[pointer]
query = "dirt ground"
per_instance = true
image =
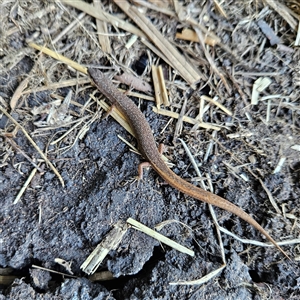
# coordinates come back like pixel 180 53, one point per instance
pixel 237 112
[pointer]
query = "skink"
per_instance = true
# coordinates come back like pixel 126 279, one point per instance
pixel 149 150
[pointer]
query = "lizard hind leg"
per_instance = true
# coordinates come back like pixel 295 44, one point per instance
pixel 109 111
pixel 141 167
pixel 147 164
pixel 161 149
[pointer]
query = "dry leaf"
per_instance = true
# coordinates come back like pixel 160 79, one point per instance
pixel 134 82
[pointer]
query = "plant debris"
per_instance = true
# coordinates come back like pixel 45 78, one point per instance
pixel 225 79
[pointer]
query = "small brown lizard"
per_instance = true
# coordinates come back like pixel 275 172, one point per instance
pixel 149 150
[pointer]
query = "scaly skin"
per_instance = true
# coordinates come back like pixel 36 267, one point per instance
pixel 149 150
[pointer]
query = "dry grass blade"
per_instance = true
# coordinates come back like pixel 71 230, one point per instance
pixel 156 51
pixel 132 148
pixel 55 272
pixel 208 33
pixel 162 86
pixel 221 106
pixel 202 280
pixel 257 243
pixel 271 198
pixel 116 114
pixel 57 85
pixel 193 121
pixel 72 25
pixel 138 226
pixel 283 11
pixel 155 80
pixel 137 95
pixel 259 85
pixel 19 150
pixel 155 6
pixel 211 209
pixel 279 165
pixel 102 31
pixel 103 16
pixel 21 192
pixel 220 9
pixel 34 145
pixel 210 59
pixel 82 69
pixel 78 123
pixel 297 41
pixel 18 93
pixel 190 35
pixel 178 62
pixel 59 57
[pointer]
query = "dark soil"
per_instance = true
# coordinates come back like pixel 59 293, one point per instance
pixel 51 221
